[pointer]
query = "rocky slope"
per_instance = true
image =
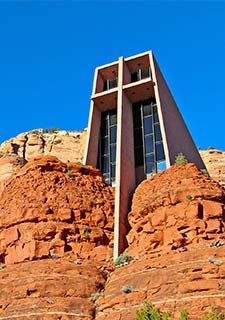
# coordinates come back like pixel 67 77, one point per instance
pixel 56 240
pixel 65 145
pixel 49 289
pixel 215 163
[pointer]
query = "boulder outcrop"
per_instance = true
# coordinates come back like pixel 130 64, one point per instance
pixel 177 207
pixel 49 208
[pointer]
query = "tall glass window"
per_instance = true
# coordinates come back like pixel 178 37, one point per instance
pixel 149 151
pixel 107 146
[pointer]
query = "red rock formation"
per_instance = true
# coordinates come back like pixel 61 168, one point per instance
pixel 49 289
pixel 215 163
pixel 53 208
pixel 8 164
pixel 60 215
pixel 192 280
pixel 176 241
pixel 176 208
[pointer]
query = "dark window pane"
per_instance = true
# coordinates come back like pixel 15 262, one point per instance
pixel 137 116
pixel 105 86
pixel 150 157
pixel 145 73
pixel 113 119
pixel 150 167
pixel 138 141
pixel 146 102
pixel 112 83
pixel 113 170
pixel 160 152
pixel 148 125
pixel 158 136
pixel 104 146
pixel 134 77
pixel 113 153
pixel 105 164
pixel 149 144
pixel 147 110
pixel 155 114
pixel 152 100
pixel 139 160
pixel 113 134
pixel 104 128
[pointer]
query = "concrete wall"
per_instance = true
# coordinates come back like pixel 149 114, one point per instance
pixel 176 137
pixel 94 122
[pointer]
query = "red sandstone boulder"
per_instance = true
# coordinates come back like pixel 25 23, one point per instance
pixel 175 208
pixel 50 208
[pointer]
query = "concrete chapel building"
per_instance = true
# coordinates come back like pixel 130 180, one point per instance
pixel 135 130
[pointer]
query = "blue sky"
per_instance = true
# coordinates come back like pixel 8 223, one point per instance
pixel 49 50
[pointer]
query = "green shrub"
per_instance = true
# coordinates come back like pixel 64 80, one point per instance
pixel 213 315
pixel 87 231
pixel 180 159
pixel 189 197
pixel 94 296
pixel 184 315
pixel 151 313
pixel 122 260
pixel 70 173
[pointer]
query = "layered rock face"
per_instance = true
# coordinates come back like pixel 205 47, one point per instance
pixel 8 164
pixel 177 244
pixel 50 208
pixel 215 163
pixel 50 289
pixel 65 145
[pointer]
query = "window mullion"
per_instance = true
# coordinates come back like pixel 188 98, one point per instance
pixel 143 137
pixel 154 140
